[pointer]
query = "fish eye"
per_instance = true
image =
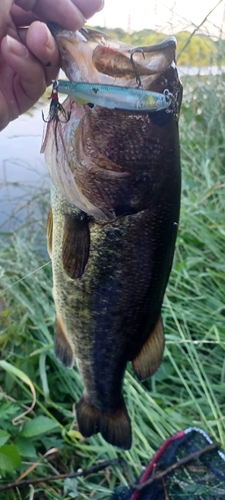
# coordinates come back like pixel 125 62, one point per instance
pixel 90 104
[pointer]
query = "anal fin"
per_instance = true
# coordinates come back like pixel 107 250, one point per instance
pixel 63 349
pixel 76 244
pixel 149 358
pixel 115 427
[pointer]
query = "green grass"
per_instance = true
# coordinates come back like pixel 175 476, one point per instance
pixel 189 387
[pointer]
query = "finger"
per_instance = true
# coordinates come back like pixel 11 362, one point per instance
pixel 70 14
pixel 42 44
pixel 49 9
pixel 63 12
pixel 5 10
pixel 20 17
pixel 29 83
pixel 5 21
pixel 90 7
pixel 26 4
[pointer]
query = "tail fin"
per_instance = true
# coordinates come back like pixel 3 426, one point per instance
pixel 88 418
pixel 115 427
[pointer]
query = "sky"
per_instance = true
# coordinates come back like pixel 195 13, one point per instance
pixel 168 16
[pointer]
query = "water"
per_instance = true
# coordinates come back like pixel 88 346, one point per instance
pixel 24 180
pixel 201 71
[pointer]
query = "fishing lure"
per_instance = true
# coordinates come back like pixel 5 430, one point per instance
pixel 56 107
pixel 115 97
pixel 56 110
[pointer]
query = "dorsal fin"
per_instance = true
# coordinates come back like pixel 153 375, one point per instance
pixel 76 244
pixel 150 356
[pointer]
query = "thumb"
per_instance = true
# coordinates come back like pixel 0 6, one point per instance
pixel 29 83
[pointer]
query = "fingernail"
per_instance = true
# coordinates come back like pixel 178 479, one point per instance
pixel 80 18
pixel 50 43
pixel 15 47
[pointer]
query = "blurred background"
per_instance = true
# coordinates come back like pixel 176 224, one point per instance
pixel 189 387
pixel 164 16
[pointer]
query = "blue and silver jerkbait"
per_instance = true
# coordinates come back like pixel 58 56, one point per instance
pixel 116 97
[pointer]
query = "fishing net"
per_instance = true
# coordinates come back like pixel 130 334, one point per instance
pixel 187 466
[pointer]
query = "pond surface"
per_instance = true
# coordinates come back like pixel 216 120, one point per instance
pixel 23 175
pixel 201 71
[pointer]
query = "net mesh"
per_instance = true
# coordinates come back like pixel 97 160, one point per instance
pixel 187 466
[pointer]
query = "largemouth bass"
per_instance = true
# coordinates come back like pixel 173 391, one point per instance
pixel 113 223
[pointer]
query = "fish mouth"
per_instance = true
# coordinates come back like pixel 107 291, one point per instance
pixel 91 56
pixel 102 159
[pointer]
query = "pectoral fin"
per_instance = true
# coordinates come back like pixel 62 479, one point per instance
pixel 150 356
pixel 76 244
pixel 49 232
pixel 63 349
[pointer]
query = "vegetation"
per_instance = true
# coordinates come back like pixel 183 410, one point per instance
pixel 38 430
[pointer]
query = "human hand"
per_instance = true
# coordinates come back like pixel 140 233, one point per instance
pixel 29 57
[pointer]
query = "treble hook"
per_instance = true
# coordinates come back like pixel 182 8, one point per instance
pixel 56 107
pixel 138 78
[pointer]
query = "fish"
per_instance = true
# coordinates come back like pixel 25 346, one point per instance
pixel 113 222
pixel 115 97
